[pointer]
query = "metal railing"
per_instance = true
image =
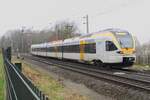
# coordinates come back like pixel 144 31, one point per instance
pixel 143 59
pixel 18 86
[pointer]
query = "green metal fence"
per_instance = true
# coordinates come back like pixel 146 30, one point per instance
pixel 18 86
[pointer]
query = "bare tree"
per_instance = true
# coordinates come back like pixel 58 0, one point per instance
pixel 64 30
pixel 21 39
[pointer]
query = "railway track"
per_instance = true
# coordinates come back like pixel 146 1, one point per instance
pixel 135 73
pixel 136 81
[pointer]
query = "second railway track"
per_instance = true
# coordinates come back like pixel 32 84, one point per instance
pixel 142 83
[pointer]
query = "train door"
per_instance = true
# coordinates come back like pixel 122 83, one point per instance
pixel 46 50
pixel 56 51
pixel 82 46
pixel 110 49
pixel 100 50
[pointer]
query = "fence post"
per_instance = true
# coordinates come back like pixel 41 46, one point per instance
pixel 148 59
pixel 43 97
pixel 8 53
pixel 40 94
pixel 19 66
pixel 46 98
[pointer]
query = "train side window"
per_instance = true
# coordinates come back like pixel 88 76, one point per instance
pixel 110 46
pixel 71 49
pixel 50 49
pixel 59 48
pixel 90 48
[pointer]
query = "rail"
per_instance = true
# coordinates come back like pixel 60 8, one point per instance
pixel 135 83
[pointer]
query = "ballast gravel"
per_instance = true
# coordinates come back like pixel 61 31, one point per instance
pixel 115 91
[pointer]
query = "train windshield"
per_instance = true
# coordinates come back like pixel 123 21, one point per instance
pixel 125 40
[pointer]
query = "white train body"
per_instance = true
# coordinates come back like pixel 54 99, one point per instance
pixel 111 46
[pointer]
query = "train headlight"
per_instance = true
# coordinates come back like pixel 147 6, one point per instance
pixel 120 52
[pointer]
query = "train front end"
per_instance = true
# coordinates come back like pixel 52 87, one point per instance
pixel 126 50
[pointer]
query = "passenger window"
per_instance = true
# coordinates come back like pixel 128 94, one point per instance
pixel 110 46
pixel 90 48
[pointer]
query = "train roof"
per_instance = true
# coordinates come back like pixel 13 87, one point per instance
pixel 49 44
pixel 111 30
pixel 114 30
pixel 71 39
pixel 75 40
pixel 38 45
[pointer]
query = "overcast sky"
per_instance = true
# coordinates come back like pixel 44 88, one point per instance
pixel 131 15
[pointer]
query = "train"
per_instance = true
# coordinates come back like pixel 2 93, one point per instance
pixel 109 47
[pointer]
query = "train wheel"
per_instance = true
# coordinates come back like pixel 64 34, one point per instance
pixel 108 67
pixel 98 63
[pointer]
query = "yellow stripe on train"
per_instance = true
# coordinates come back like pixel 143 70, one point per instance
pixel 128 50
pixel 82 44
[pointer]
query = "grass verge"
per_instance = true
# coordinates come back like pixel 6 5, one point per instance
pixel 2 79
pixel 141 67
pixel 53 88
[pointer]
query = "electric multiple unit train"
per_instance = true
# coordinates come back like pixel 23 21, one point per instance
pixel 107 47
